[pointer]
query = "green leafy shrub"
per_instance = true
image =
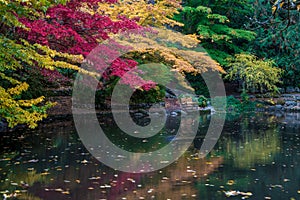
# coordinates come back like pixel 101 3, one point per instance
pixel 202 101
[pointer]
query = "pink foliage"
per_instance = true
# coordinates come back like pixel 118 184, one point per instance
pixel 69 30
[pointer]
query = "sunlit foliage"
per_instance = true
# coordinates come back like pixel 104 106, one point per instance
pixel 255 74
pixel 155 13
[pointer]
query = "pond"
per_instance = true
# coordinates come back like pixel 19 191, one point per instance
pixel 256 157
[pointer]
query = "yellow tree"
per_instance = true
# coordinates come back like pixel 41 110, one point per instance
pixel 180 52
pixel 156 13
pixel 173 50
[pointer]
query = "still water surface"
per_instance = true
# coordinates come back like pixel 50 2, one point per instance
pixel 257 157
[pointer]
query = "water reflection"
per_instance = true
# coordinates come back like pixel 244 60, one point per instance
pixel 176 181
pixel 258 152
pixel 257 142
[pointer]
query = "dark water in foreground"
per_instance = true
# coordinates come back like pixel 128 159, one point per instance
pixel 257 157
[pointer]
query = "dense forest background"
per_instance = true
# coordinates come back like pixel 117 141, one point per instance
pixel 254 44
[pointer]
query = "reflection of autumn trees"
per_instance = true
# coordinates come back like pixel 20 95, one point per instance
pixel 258 143
pixel 17 184
pixel 176 180
pixel 64 170
pixel 256 149
pixel 92 181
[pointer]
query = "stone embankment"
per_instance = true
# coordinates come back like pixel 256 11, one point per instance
pixel 285 103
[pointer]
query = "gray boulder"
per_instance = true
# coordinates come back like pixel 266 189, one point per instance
pixel 290 89
pixel 290 103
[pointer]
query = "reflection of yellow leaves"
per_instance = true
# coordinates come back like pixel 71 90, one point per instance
pixel 27 196
pixel 32 177
pixel 259 149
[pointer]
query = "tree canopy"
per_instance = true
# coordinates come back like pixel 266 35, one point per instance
pixel 55 35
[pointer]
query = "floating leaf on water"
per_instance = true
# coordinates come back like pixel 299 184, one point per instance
pixel 33 161
pixel 190 171
pixel 276 186
pixel 230 182
pixel 246 193
pixel 131 180
pixel 84 162
pixel 164 161
pixel 5 159
pixel 8 196
pixel 65 192
pixel 150 190
pixel 95 178
pixel 235 193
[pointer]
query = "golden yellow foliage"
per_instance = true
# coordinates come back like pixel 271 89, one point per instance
pixel 181 52
pixel 21 111
pixel 158 14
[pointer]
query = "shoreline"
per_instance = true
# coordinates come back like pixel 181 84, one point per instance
pixel 286 103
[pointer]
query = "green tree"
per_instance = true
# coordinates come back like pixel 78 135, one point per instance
pixel 278 38
pixel 219 25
